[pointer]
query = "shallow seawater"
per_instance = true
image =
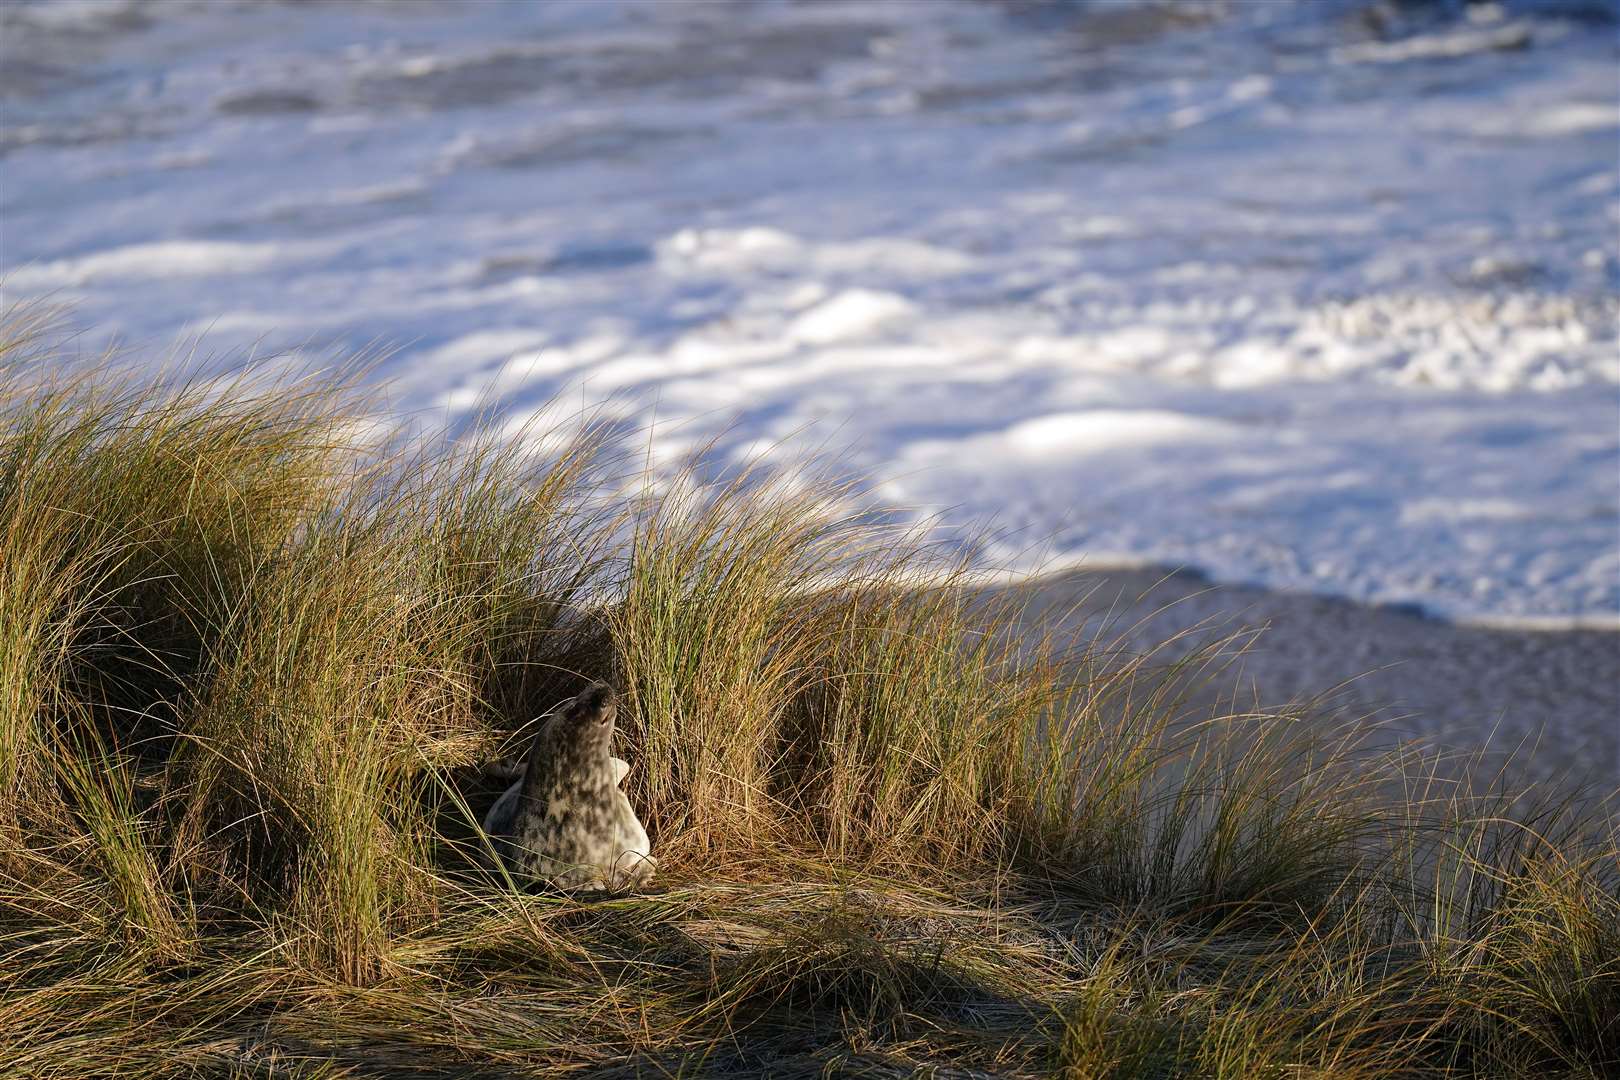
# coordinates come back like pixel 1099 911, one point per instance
pixel 1319 296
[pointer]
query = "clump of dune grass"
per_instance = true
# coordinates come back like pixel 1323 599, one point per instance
pixel 253 655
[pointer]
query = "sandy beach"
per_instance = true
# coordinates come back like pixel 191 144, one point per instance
pixel 1551 696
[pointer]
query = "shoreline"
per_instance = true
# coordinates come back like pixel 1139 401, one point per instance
pixel 1545 699
pixel 1104 564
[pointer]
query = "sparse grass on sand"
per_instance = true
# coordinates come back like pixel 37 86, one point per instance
pixel 251 660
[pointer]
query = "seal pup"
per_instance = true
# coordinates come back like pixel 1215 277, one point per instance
pixel 565 820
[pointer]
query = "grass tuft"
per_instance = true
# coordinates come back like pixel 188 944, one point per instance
pixel 253 657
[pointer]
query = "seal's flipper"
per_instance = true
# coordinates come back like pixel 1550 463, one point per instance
pixel 505 771
pixel 500 823
pixel 621 769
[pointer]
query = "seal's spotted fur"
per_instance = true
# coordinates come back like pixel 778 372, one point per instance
pixel 565 821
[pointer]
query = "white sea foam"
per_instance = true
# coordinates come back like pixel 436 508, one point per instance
pixel 1259 291
pixel 168 259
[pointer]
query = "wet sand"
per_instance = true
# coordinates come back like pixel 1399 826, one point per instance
pixel 1552 695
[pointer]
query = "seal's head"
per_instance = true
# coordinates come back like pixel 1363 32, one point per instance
pixel 582 726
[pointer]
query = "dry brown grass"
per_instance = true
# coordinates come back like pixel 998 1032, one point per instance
pixel 250 662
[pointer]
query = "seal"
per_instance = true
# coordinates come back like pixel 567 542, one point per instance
pixel 566 821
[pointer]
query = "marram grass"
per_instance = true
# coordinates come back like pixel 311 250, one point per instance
pixel 251 660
